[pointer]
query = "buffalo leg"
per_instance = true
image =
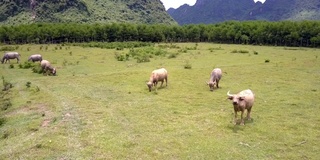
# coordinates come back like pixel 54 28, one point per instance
pixel 161 83
pixel 155 85
pixel 235 117
pixel 248 113
pixel 242 121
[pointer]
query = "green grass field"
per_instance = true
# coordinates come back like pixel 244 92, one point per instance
pixel 100 108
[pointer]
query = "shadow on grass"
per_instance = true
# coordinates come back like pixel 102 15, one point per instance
pixel 237 127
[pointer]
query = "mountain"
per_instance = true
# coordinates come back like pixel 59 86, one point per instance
pixel 83 11
pixel 215 11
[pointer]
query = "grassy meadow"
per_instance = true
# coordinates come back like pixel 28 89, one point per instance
pixel 100 108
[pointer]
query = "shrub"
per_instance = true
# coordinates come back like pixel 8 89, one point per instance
pixel 212 49
pixel 28 84
pixel 11 66
pixel 37 69
pixel 183 50
pixel 143 58
pixel 267 61
pixel 26 65
pixel 187 65
pixel 255 53
pixel 122 57
pixel 173 55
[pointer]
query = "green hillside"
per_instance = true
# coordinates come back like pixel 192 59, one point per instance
pixel 216 11
pixel 84 11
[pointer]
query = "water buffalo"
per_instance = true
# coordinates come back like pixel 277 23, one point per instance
pixel 10 55
pixel 215 77
pixel 46 66
pixel 35 57
pixel 156 76
pixel 242 101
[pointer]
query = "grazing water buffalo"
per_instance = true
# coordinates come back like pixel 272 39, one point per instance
pixel 242 101
pixel 46 66
pixel 156 76
pixel 10 55
pixel 215 77
pixel 35 57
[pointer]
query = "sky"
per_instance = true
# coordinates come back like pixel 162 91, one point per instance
pixel 177 3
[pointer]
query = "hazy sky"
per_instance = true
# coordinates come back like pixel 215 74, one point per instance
pixel 177 3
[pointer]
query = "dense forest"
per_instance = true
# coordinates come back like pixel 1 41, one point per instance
pixel 283 33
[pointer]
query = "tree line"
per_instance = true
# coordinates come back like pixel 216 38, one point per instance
pixel 282 33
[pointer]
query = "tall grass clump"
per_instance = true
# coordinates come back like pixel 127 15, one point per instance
pixel 6 85
pixel 5 103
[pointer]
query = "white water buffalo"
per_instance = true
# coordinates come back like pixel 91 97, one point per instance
pixel 35 57
pixel 215 77
pixel 10 55
pixel 156 76
pixel 242 101
pixel 46 66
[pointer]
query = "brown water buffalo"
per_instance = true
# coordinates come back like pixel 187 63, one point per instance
pixel 46 66
pixel 215 77
pixel 10 55
pixel 242 101
pixel 35 57
pixel 156 76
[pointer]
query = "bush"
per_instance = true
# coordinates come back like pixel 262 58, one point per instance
pixel 26 65
pixel 173 55
pixel 143 58
pixel 28 84
pixel 37 69
pixel 122 57
pixel 187 65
